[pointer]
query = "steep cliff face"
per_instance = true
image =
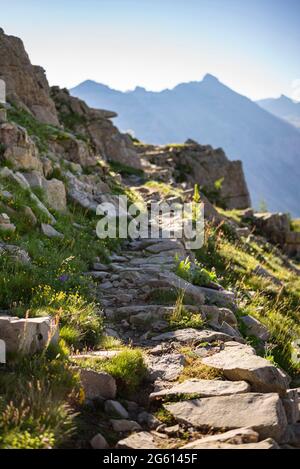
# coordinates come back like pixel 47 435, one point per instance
pixel 191 163
pixel 26 84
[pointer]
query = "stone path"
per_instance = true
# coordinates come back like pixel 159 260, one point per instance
pixel 250 392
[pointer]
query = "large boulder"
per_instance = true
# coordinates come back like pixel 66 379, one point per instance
pixel 239 362
pixel 263 412
pixel 29 335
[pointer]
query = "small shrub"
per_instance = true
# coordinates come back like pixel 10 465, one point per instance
pixel 181 318
pixel 128 368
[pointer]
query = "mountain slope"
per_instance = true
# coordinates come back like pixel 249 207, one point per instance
pixel 210 112
pixel 283 107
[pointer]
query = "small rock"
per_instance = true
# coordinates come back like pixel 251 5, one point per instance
pixel 115 409
pixel 255 328
pixel 125 425
pixel 100 267
pixel 30 216
pixel 98 384
pixel 141 440
pixel 99 442
pixel 50 232
pixel 170 431
pixel 149 420
pixel 235 437
pixel 291 406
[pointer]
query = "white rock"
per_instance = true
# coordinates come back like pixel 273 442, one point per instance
pixel 29 335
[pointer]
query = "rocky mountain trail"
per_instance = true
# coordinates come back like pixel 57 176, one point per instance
pixel 144 342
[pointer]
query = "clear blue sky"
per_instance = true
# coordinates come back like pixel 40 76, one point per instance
pixel 251 45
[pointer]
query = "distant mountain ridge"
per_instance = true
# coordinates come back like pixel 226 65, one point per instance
pixel 283 107
pixel 212 113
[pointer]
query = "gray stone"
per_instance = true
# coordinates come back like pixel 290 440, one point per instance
pixel 239 362
pixel 203 388
pixel 98 384
pixel 149 420
pixel 166 245
pixel 100 267
pixel 291 406
pixel 190 335
pixel 50 232
pixel 255 328
pixel 99 442
pixel 166 367
pixel 125 426
pixel 263 412
pixel 16 253
pixel 292 435
pixel 115 409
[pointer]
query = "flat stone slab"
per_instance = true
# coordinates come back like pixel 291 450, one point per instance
pixel 141 440
pixel 269 443
pixel 263 412
pixel 203 388
pixel 167 245
pixel 190 335
pixel 233 437
pixel 165 367
pixel 239 362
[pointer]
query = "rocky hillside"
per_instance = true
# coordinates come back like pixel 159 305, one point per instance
pixel 135 343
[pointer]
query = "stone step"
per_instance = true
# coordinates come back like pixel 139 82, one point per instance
pixel 263 412
pixel 203 388
pixel 192 336
pixel 240 362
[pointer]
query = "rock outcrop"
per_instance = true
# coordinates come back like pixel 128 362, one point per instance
pixel 96 125
pixel 26 84
pixel 192 163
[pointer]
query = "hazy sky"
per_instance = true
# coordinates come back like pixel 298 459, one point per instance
pixel 252 46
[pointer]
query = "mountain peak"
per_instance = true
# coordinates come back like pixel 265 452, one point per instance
pixel 208 78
